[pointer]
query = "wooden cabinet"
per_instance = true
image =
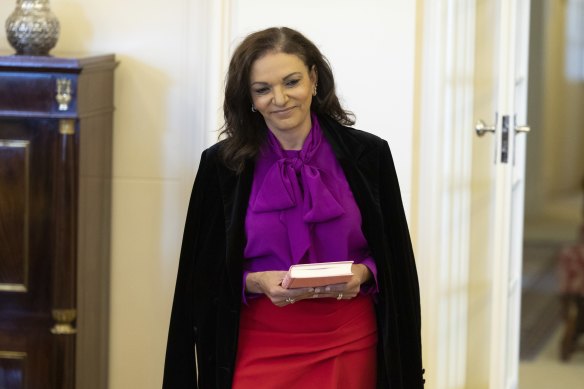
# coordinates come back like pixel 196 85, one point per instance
pixel 55 194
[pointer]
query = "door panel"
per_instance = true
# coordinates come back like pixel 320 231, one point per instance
pixel 12 367
pixel 15 156
pixel 25 253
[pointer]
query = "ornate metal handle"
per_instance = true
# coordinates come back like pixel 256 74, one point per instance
pixel 63 95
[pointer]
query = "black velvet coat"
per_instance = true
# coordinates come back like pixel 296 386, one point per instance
pixel 207 300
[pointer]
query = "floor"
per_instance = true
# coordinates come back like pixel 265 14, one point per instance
pixel 548 372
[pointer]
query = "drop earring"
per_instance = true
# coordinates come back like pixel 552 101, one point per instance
pixel 314 91
pixel 253 109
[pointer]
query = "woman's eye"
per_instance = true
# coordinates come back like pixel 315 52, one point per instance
pixel 292 82
pixel 261 91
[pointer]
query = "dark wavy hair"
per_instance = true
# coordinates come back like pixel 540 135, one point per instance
pixel 245 130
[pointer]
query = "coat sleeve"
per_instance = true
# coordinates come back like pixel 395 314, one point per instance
pixel 180 370
pixel 403 276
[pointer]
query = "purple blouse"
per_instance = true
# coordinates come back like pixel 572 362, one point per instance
pixel 301 209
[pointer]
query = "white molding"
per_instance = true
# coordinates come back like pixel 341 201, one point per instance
pixel 197 67
pixel 444 198
pixel 207 53
pixel 218 58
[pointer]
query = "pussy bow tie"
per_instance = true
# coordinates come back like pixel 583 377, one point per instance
pixel 297 189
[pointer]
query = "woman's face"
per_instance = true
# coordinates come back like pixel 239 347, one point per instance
pixel 281 90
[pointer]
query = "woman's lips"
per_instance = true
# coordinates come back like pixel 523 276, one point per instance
pixel 283 111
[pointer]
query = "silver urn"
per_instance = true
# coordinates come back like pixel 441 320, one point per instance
pixel 32 29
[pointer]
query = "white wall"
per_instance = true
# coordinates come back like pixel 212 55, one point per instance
pixel 172 56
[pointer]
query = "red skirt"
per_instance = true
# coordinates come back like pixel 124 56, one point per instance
pixel 320 343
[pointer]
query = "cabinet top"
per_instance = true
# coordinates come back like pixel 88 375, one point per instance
pixel 60 62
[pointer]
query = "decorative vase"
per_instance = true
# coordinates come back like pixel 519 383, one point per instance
pixel 32 29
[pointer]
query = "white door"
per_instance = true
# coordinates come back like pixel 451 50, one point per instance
pixel 504 88
pixel 470 189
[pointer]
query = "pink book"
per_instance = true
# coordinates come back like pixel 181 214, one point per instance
pixel 317 274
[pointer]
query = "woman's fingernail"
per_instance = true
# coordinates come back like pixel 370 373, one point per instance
pixel 317 290
pixel 310 290
pixel 328 289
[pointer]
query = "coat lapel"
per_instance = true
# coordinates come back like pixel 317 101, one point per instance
pixel 360 165
pixel 344 147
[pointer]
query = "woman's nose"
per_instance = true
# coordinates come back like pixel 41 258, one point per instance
pixel 280 97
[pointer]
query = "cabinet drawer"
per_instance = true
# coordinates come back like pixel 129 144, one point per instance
pixel 37 94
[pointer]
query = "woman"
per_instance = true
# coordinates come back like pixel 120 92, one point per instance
pixel 292 184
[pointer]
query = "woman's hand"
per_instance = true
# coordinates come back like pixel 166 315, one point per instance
pixel 269 283
pixel 361 275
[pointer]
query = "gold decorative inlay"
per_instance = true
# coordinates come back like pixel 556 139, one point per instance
pixel 67 126
pixel 63 95
pixel 13 287
pixel 64 321
pixel 12 355
pixel 19 288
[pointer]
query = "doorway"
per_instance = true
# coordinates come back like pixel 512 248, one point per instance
pixel 554 172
